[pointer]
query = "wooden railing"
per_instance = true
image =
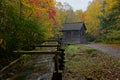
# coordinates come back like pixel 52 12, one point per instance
pixel 58 59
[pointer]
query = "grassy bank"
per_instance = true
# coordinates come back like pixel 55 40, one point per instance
pixel 84 63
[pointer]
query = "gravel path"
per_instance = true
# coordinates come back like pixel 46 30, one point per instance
pixel 113 50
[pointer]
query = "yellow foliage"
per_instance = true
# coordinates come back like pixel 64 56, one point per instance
pixel 110 4
pixel 39 4
pixel 91 18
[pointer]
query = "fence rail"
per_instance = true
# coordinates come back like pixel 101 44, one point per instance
pixel 36 52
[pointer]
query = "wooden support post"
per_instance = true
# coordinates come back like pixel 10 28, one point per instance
pixel 61 60
pixel 56 74
pixel 56 63
pixel 60 44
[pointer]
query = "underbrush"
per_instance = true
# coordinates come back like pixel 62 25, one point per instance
pixel 84 63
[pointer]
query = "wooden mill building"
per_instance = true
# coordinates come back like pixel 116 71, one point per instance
pixel 74 32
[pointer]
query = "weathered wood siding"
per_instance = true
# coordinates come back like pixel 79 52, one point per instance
pixel 74 36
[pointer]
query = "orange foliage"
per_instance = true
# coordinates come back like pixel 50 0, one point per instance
pixel 83 17
pixel 42 5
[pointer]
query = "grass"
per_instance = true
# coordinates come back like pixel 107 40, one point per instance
pixel 84 63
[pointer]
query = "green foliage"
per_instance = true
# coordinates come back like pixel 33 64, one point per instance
pixel 112 36
pixel 110 21
pixel 70 48
pixel 19 30
pixel 90 38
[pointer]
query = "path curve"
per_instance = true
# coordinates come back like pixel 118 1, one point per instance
pixel 110 49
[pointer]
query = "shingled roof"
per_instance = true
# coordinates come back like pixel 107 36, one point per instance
pixel 73 26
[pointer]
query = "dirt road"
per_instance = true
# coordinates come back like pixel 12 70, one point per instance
pixel 110 49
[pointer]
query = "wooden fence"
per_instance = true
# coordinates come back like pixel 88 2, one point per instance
pixel 58 60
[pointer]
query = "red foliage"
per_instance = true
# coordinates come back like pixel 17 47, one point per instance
pixel 52 14
pixel 36 3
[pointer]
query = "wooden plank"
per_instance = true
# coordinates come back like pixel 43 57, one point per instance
pixel 36 52
pixel 52 40
pixel 38 45
pixel 9 66
pixel 49 46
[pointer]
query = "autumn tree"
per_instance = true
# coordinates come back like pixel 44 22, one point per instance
pixel 24 18
pixel 78 16
pixel 102 20
pixel 110 21
pixel 22 23
pixel 38 6
pixel 92 20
